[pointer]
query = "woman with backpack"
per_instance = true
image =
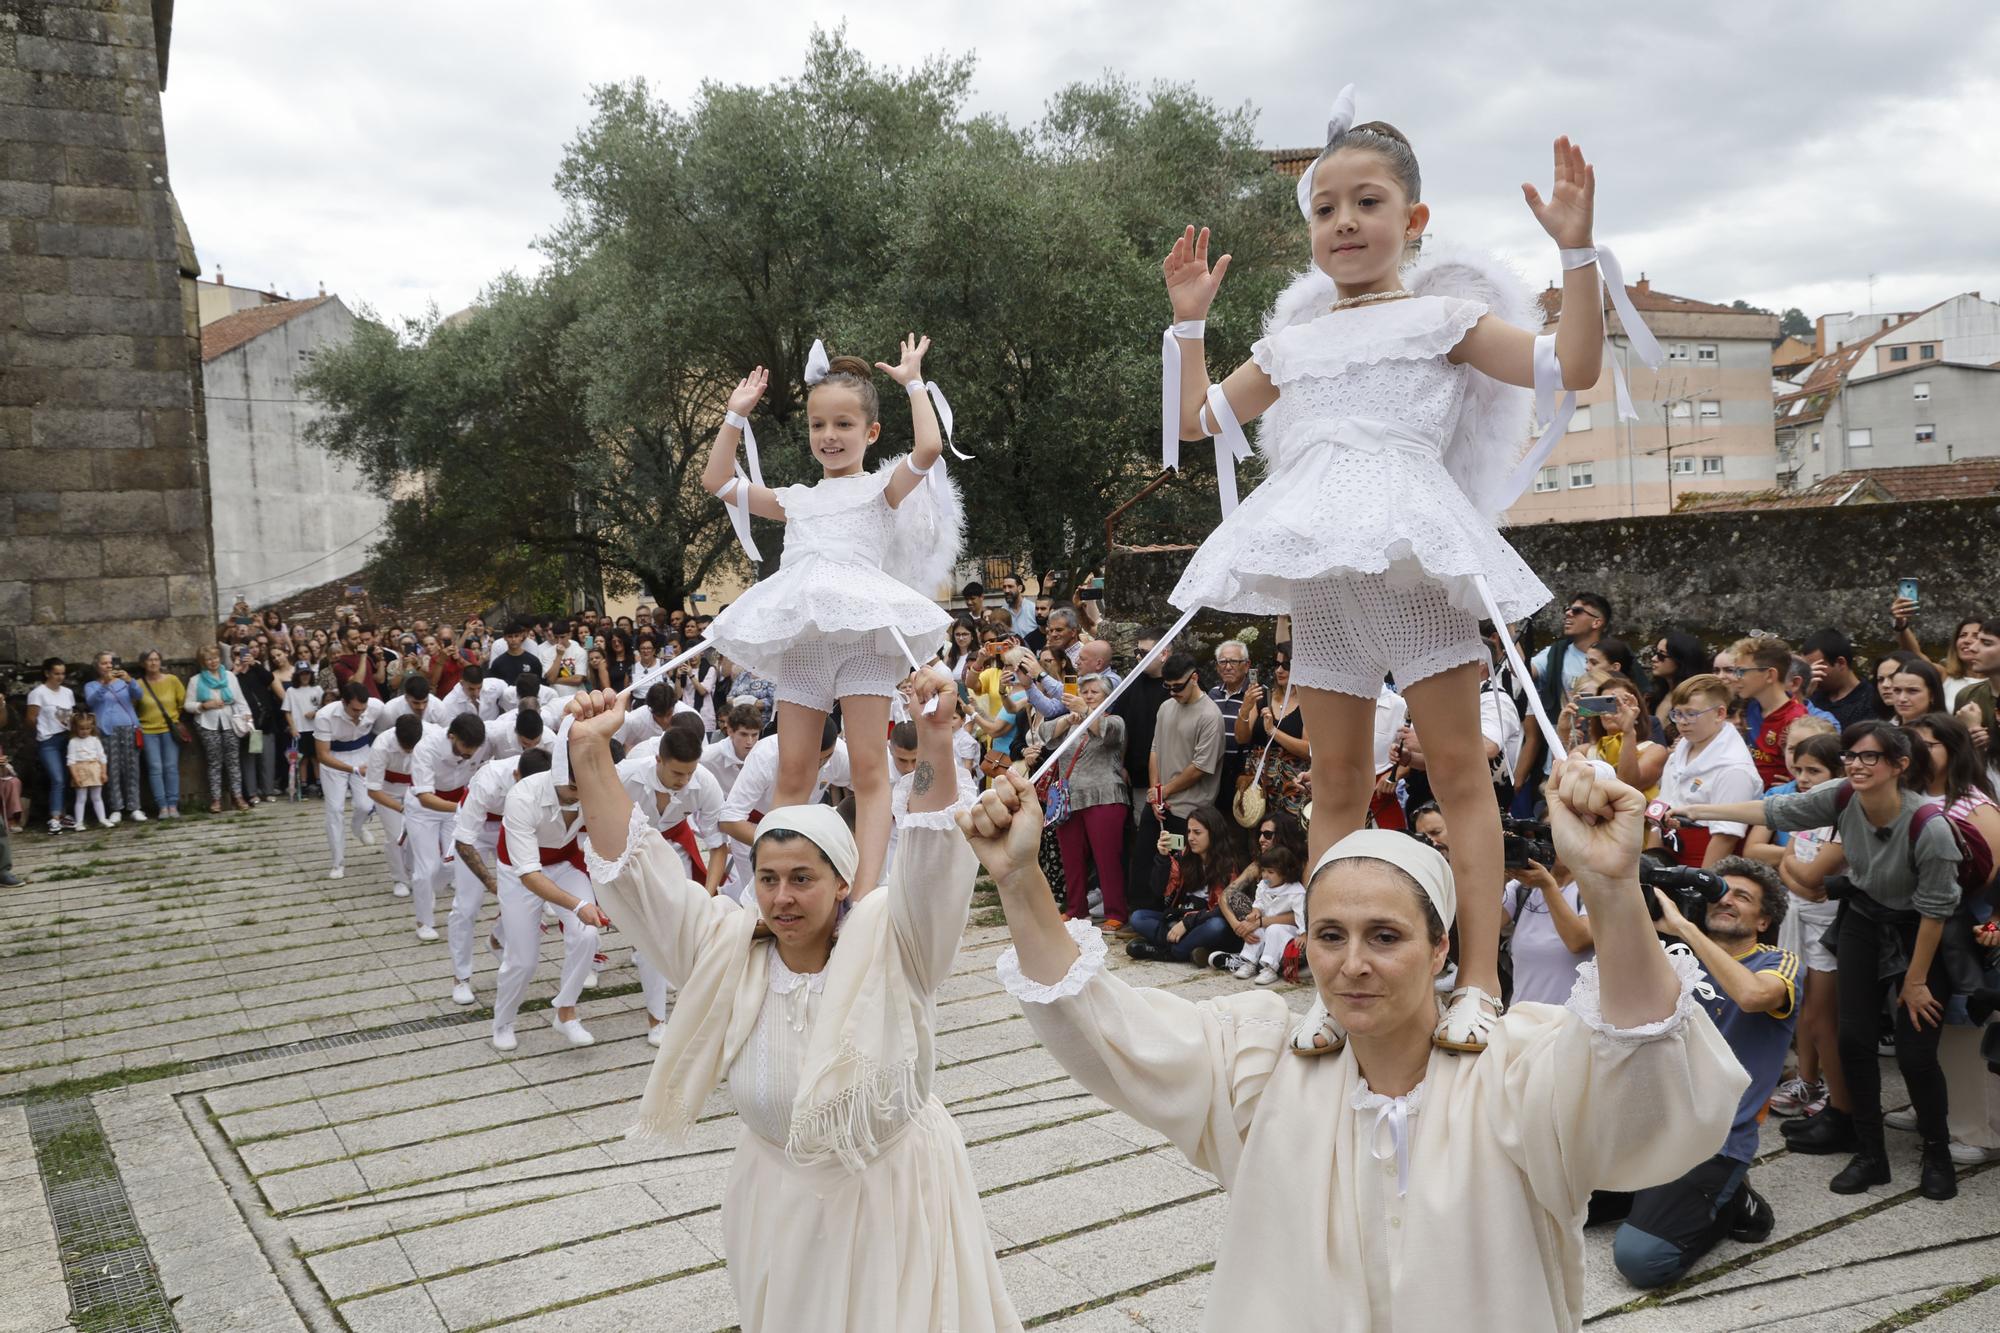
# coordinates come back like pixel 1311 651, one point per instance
pixel 1903 861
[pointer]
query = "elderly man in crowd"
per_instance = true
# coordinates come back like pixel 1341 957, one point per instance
pixel 1232 669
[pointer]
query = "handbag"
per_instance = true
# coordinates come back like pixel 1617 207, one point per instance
pixel 174 724
pixel 1055 802
pixel 1250 805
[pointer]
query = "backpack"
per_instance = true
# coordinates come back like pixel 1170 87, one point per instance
pixel 1975 858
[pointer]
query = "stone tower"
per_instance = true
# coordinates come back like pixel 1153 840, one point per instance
pixel 104 532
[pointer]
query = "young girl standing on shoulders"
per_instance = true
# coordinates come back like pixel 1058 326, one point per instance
pixel 836 623
pixel 1391 450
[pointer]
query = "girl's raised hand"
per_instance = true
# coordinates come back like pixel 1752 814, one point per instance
pixel 910 370
pixel 1191 283
pixel 1566 213
pixel 749 391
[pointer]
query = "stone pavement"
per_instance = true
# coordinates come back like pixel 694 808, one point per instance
pixel 252 1106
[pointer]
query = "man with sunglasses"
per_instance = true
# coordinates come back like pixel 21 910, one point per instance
pixel 1186 765
pixel 1709 765
pixel 1585 620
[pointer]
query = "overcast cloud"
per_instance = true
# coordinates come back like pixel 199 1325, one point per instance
pixel 403 153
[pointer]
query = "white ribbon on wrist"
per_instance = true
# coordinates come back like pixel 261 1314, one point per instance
pixel 1578 257
pixel 1231 447
pixel 1554 415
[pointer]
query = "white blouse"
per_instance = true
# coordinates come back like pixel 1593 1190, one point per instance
pixel 764 1078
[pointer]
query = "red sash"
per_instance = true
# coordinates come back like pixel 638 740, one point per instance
pixel 493 819
pixel 682 836
pixel 570 852
pixel 452 794
pixel 391 776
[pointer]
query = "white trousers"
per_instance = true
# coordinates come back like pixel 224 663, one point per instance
pixel 467 897
pixel 521 941
pixel 339 789
pixel 427 847
pixel 1267 947
pixel 394 850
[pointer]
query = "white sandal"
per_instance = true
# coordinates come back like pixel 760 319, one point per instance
pixel 1468 1020
pixel 1318 1034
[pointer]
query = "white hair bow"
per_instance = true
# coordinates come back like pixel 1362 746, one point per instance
pixel 816 363
pixel 1337 124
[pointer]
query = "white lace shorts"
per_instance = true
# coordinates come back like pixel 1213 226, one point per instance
pixel 816 673
pixel 1350 631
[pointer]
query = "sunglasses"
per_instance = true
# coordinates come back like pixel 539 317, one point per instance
pixel 1862 758
pixel 1578 611
pixel 1176 686
pixel 1265 834
pixel 1659 654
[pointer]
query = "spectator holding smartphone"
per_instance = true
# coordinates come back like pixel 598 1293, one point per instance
pixel 113 698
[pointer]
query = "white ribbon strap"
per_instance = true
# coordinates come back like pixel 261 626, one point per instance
pixel 944 414
pixel 1170 401
pixel 738 509
pixel 1231 447
pixel 1393 1113
pixel 1578 257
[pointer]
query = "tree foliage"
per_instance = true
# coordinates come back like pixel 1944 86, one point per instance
pixel 567 421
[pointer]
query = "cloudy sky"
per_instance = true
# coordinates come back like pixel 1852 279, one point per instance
pixel 402 153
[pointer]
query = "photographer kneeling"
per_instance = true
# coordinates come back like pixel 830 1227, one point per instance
pixel 1751 991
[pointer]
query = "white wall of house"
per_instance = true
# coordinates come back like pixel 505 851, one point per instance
pixel 286 515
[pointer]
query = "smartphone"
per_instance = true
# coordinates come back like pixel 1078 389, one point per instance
pixel 1597 705
pixel 1907 590
pixel 1176 842
pixel 1095 594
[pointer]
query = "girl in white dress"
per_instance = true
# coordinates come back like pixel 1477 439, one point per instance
pixel 1393 1187
pixel 851 1203
pixel 1389 432
pixel 833 624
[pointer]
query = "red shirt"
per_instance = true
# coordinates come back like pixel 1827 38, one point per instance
pixel 1767 747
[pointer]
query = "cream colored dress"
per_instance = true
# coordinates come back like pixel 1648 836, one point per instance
pixel 1459 1207
pixel 893 1240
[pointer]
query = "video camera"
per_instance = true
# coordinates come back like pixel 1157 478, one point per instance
pixel 1691 888
pixel 1526 840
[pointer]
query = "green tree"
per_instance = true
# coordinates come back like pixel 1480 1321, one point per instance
pixel 1794 324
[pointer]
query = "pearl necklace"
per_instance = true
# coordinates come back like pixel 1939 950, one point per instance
pixel 1369 298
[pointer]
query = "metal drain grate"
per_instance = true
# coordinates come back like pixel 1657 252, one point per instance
pixel 106 1265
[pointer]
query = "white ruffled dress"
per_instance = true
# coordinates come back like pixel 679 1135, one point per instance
pixel 831 585
pixel 1356 481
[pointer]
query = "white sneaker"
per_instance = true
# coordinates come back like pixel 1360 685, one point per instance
pixel 336 873
pixel 138 816
pixel 369 835
pixel 1268 976
pixel 573 1032
pixel 112 821
pixel 400 890
pixel 503 1039
pixel 427 933
pixel 1905 1119
pixel 462 993
pixel 590 982
pixel 1964 1154
pixel 658 1033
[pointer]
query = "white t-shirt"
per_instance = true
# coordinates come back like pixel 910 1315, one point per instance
pixel 1390 714
pixel 1500 722
pixel 302 701
pixel 719 758
pixel 1278 899
pixel 56 706
pixel 1721 774
pixel 1544 968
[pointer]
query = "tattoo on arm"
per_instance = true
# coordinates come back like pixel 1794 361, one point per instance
pixel 923 779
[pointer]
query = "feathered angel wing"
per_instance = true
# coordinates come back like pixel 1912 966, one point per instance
pixel 929 530
pixel 1496 421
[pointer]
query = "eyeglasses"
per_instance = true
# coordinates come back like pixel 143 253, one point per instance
pixel 1734 673
pixel 1683 716
pixel 1862 758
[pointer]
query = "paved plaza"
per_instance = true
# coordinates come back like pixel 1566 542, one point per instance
pixel 236 1095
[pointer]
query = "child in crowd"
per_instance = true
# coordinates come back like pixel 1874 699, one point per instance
pixel 303 698
pixel 1275 920
pixel 87 762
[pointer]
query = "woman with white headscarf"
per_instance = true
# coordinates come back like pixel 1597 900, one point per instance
pixel 851 1203
pixel 1394 1185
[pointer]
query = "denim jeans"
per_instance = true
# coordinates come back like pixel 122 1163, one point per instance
pixel 163 768
pixel 1213 933
pixel 54 754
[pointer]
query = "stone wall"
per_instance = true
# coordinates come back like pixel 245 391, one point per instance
pixel 1716 575
pixel 103 497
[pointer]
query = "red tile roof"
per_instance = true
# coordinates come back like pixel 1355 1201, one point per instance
pixel 1293 161
pixel 1646 300
pixel 1965 480
pixel 232 331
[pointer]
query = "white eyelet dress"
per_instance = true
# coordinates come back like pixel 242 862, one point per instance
pixel 1359 531
pixel 831 594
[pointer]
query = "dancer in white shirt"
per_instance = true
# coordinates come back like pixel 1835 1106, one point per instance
pixel 540 842
pixel 342 732
pixel 387 774
pixel 663 704
pixel 412 700
pixel 441 767
pixel 743 725
pixel 518 730
pixel 755 793
pixel 464 697
pixel 667 785
pixel 476 835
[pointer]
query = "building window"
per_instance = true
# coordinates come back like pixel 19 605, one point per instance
pixel 1928 352
pixel 1711 467
pixel 1926 434
pixel 1860 439
pixel 1920 391
pixel 1677 351
pixel 1899 354
pixel 1580 420
pixel 1706 353
pixel 1815 448
pixel 1680 409
pixel 1579 476
pixel 1545 480
pixel 1711 410
pixel 1683 467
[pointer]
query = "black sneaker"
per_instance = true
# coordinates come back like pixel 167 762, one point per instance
pixel 1831 1131
pixel 1145 951
pixel 1754 1218
pixel 8 881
